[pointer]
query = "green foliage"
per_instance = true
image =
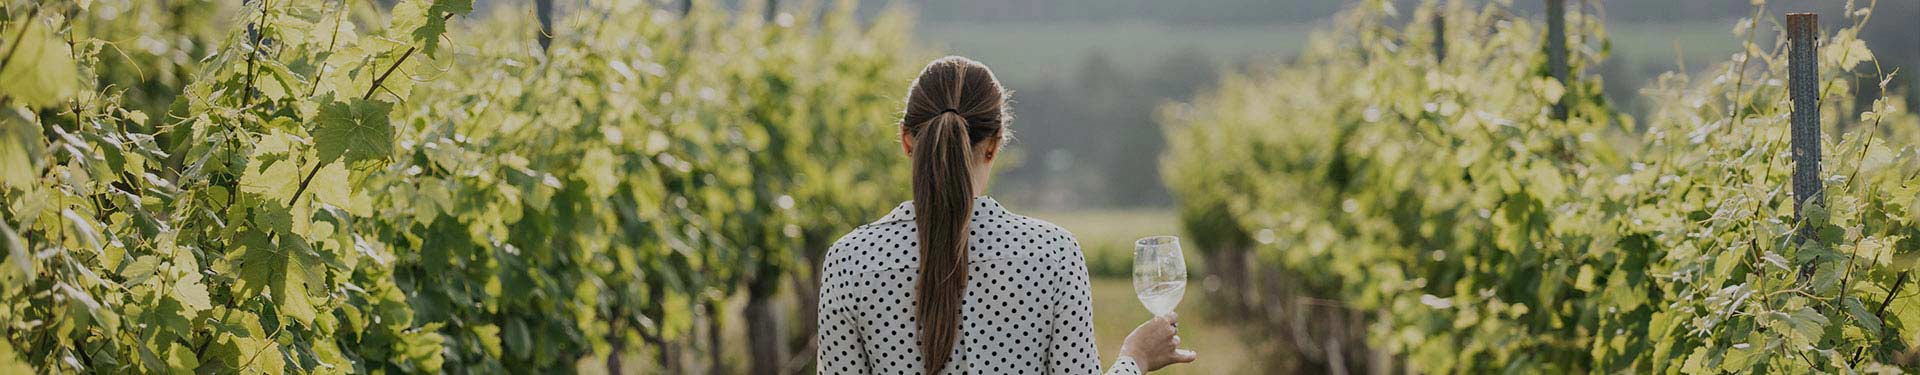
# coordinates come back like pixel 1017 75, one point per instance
pixel 181 246
pixel 340 188
pixel 40 69
pixel 1492 238
pixel 356 130
pixel 436 25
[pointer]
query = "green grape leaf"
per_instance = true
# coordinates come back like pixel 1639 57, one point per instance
pixel 1826 277
pixel 181 360
pixel 600 169
pixel 172 315
pixel 1846 53
pixel 356 130
pixel 16 270
pixel 274 216
pixel 252 353
pixel 100 315
pixel 1861 316
pixel 1741 357
pixel 271 170
pixel 519 339
pixel 192 293
pixel 436 24
pixel 10 363
pixel 41 71
pixel 489 336
pixel 1585 280
pixel 330 186
pixel 1801 327
pixel 1696 362
pixel 141 268
pixel 423 345
pixel 83 227
pixel 331 357
pixel 282 270
pixel 20 149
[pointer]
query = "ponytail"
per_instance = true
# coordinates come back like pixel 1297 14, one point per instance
pixel 953 107
pixel 943 196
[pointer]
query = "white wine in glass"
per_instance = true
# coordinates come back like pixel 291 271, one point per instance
pixel 1159 273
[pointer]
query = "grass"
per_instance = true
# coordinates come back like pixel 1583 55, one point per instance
pixel 1106 237
pixel 1220 344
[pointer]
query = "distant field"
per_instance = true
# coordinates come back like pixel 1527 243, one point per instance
pixel 1023 53
pixel 1701 42
pixel 1106 236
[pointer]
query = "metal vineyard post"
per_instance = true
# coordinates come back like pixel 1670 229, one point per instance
pixel 1440 32
pixel 1803 77
pixel 1557 51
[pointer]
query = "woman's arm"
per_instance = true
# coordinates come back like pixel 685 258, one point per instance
pixel 1124 366
pixel 1073 350
pixel 842 349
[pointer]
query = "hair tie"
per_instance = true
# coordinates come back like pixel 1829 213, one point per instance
pixel 942 112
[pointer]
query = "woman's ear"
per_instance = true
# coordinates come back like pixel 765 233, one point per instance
pixel 990 149
pixel 906 142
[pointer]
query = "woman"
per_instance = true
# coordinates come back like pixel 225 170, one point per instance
pixel 952 283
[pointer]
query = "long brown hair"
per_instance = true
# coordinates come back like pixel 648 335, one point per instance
pixel 955 106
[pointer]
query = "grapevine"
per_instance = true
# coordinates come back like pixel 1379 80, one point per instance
pixel 1440 198
pixel 335 187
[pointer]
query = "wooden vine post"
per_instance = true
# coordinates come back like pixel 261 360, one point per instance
pixel 1803 85
pixel 1557 51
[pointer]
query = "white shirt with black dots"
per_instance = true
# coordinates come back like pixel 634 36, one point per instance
pixel 1028 307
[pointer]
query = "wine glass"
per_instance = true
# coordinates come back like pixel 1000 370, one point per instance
pixel 1159 273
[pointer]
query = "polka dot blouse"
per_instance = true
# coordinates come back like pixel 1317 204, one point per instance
pixel 1028 307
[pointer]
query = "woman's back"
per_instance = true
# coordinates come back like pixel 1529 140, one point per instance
pixel 1027 307
pixel 950 282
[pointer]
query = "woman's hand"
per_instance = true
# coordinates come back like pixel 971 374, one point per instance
pixel 1156 344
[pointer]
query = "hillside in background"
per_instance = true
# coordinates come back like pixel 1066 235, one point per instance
pixel 1088 74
